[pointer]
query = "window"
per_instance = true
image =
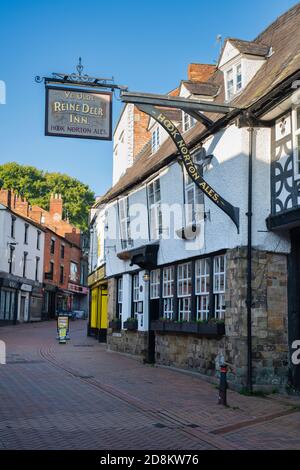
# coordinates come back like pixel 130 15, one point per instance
pixel 37 265
pixel 7 305
pixel 202 288
pixel 194 200
pixel 219 286
pixel 155 140
pixel 155 284
pixel 168 292
pixel 12 227
pixel 120 298
pixel 155 214
pixel 234 81
pixel 51 270
pixel 73 271
pixel 184 291
pixel 25 255
pixel 135 293
pixel 124 222
pixel 11 259
pixel 26 227
pixel 296 132
pixel 62 251
pixel 52 246
pixel 61 275
pixel 187 121
pixel 38 240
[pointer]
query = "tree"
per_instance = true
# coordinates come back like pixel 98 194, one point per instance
pixel 36 186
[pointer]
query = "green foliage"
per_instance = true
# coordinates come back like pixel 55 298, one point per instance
pixel 37 185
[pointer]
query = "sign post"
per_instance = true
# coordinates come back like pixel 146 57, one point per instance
pixel 62 329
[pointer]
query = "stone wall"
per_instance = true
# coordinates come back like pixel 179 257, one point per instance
pixel 128 342
pixel 269 327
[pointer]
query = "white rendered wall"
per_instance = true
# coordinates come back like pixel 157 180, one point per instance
pixel 123 143
pixel 20 246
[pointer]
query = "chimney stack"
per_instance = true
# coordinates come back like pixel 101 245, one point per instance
pixel 200 72
pixel 5 197
pixel 21 206
pixel 56 206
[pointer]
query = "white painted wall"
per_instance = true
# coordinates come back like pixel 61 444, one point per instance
pixel 123 143
pixel 20 246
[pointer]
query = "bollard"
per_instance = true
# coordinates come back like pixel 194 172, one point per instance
pixel 223 386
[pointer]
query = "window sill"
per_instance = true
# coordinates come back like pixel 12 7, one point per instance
pixel 208 330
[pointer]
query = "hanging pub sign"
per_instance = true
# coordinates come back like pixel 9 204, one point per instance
pixel 80 113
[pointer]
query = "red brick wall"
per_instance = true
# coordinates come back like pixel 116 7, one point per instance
pixel 72 253
pixel 141 135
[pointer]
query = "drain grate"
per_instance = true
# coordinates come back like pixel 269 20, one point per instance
pixel 160 425
pixel 83 345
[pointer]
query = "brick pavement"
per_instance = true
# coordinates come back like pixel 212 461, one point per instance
pixel 81 396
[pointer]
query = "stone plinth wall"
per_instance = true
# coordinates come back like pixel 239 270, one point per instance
pixel 128 342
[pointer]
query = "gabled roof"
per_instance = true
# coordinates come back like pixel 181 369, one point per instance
pixel 284 37
pixel 201 88
pixel 250 47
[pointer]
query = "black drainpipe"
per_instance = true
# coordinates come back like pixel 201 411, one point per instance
pixel 249 262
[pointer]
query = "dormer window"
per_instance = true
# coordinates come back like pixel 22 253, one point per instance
pixel 233 81
pixel 187 122
pixel 155 140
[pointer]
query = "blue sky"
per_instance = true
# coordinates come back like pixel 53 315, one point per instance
pixel 145 45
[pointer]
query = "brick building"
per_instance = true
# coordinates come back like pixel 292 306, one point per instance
pixel 64 263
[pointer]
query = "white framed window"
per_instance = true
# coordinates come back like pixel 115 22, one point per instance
pixel 168 292
pixel 120 297
pixel 233 81
pixel 135 293
pixel 296 139
pixel 187 121
pixel 202 288
pixel 194 200
pixel 155 284
pixel 124 220
pixel 219 281
pixel 155 140
pixel 184 291
pixel 155 214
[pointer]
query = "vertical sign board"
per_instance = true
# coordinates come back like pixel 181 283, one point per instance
pixel 62 328
pixel 79 113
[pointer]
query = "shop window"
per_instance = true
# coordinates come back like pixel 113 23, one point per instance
pixel 155 284
pixel 7 305
pixel 168 292
pixel 202 288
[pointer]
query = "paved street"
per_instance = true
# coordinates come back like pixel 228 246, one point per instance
pixel 79 396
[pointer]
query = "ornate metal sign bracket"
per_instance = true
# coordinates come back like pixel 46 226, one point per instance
pixel 81 79
pixel 191 168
